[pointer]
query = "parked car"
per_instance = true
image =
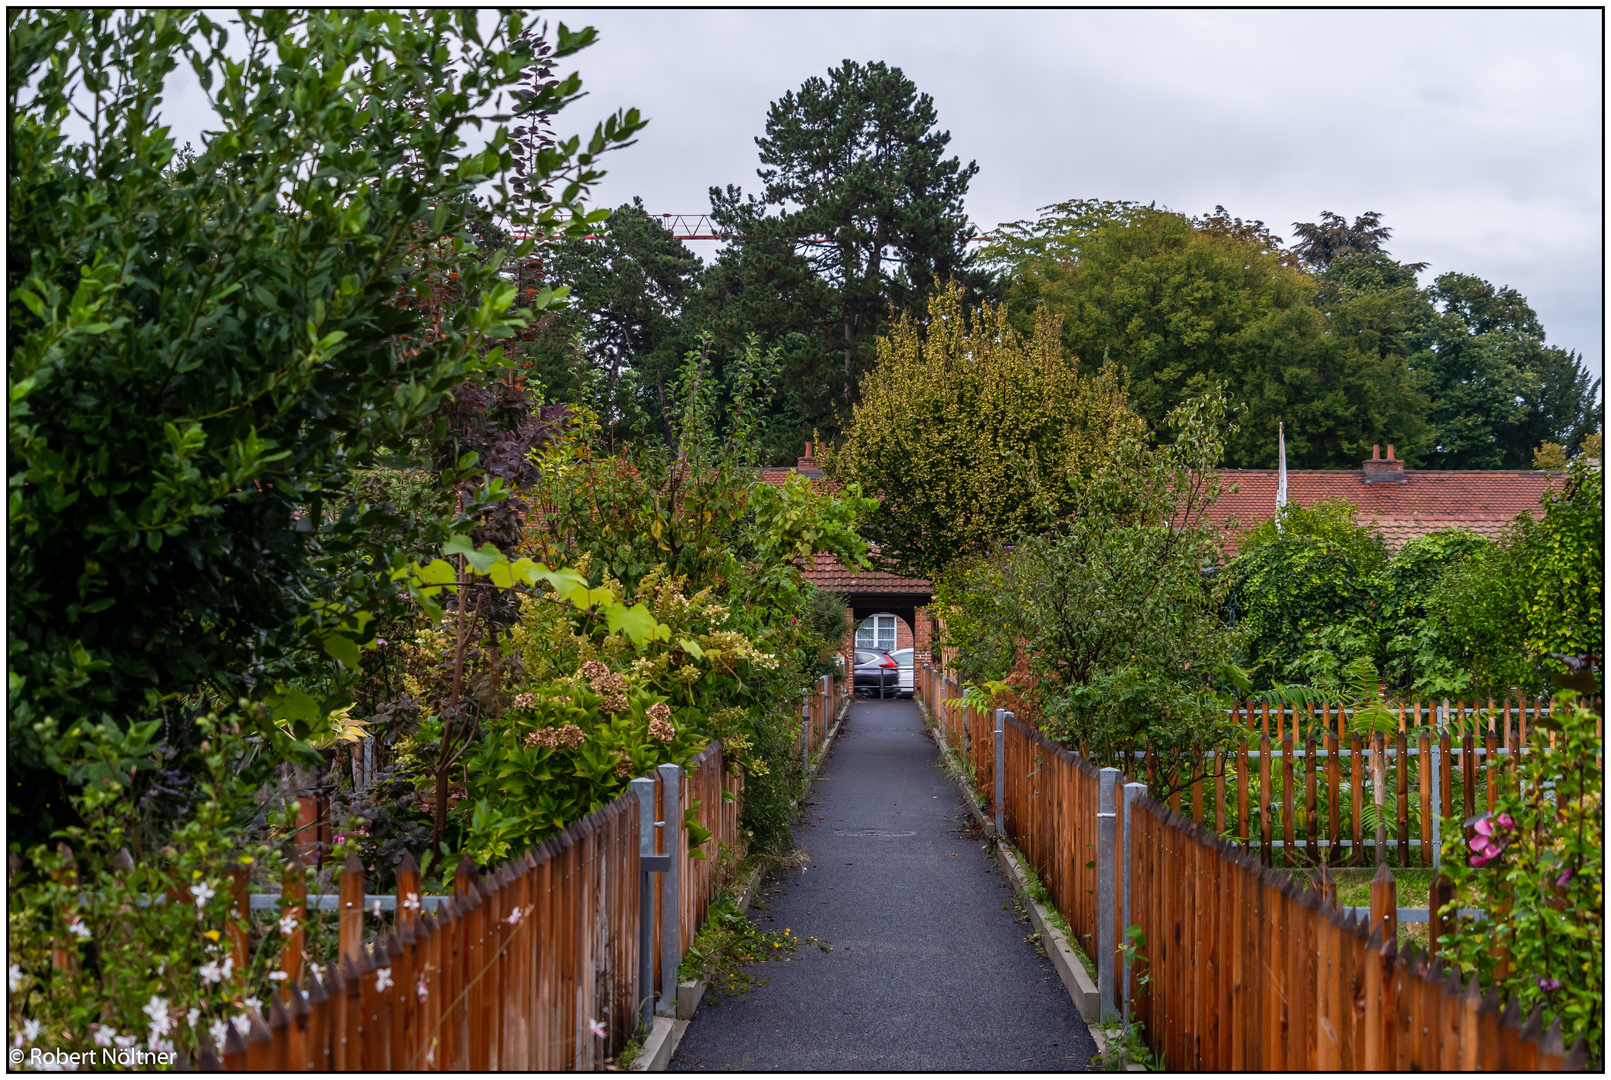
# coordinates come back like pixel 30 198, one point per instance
pixel 903 664
pixel 877 671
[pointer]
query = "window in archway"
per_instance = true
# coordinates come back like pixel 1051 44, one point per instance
pixel 876 632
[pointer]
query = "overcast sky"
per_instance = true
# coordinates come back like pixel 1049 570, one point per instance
pixel 1476 134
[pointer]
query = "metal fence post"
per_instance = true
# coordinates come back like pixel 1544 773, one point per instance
pixel 1001 770
pixel 1131 792
pixel 643 788
pixel 1107 839
pixel 670 909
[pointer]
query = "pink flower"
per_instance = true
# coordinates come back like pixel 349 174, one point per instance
pixel 1566 876
pixel 597 1028
pixel 1479 860
pixel 1549 985
pixel 1506 821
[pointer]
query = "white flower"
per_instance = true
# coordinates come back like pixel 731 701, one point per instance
pixel 203 892
pixel 278 976
pixel 411 902
pixel 104 1035
pixel 160 1046
pixel 317 969
pixel 597 1028
pixel 288 925
pixel 229 966
pixel 210 972
pixel 31 1030
pixel 157 1010
pixel 219 1030
pixel 14 975
pixel 243 1023
pixel 77 928
pixel 514 917
pixel 376 909
pixel 124 1042
pixel 383 978
pixel 192 1016
pixel 254 1003
pixel 419 989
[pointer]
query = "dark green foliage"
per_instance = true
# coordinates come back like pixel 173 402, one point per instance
pixel 202 351
pixel 865 219
pixel 1452 615
pixel 1332 238
pixel 1114 610
pixel 1183 307
pixel 1497 390
pixel 1416 616
pixel 631 291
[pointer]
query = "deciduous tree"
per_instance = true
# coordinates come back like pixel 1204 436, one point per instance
pixel 972 433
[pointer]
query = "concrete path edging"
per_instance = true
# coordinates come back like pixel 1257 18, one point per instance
pixel 1080 986
pixel 661 1045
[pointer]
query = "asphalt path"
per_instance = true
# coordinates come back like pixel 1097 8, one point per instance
pixel 932 964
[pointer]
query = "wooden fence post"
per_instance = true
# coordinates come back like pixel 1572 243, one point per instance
pixel 1384 903
pixel 1438 924
pixel 350 921
pixel 240 917
pixel 293 906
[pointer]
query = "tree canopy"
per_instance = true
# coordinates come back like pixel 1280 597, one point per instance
pixel 1183 307
pixel 860 215
pixel 971 432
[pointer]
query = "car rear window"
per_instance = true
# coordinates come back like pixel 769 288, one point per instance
pixel 863 657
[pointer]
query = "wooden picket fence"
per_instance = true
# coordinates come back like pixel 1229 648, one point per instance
pixel 518 969
pixel 1242 970
pixel 817 718
pixel 1299 780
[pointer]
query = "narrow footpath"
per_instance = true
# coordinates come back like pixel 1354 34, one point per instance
pixel 930 967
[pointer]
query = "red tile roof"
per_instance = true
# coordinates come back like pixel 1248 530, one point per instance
pixel 1423 502
pixel 828 573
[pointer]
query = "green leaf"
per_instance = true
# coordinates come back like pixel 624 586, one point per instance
pixel 481 559
pixel 636 622
pixel 289 703
pixel 691 647
pixel 342 648
pixel 436 572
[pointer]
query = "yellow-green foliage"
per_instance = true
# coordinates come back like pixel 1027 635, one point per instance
pixel 970 432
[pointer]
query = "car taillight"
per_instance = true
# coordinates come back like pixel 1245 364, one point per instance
pixel 887 662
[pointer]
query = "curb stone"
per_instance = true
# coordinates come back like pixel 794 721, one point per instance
pixel 661 1045
pixel 1081 988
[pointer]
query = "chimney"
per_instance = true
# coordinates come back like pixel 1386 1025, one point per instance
pixel 808 464
pixel 1383 470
